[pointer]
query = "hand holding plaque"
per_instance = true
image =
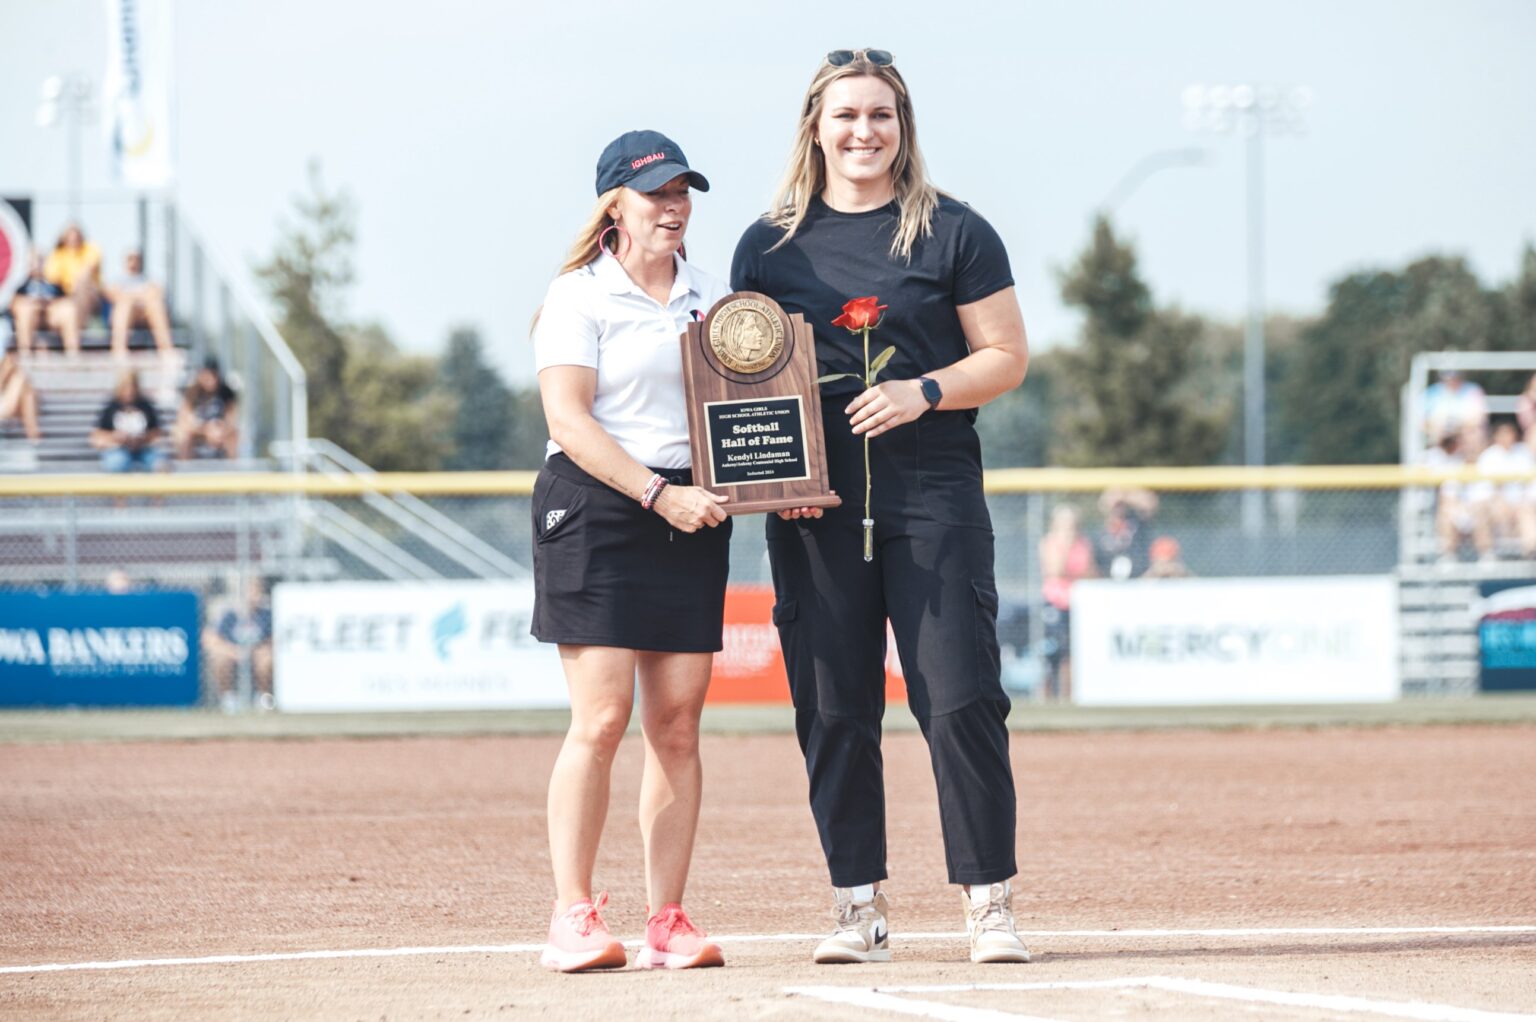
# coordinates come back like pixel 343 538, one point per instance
pixel 754 410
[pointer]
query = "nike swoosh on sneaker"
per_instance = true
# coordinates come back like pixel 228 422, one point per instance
pixel 879 934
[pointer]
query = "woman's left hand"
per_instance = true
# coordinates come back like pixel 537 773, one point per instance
pixel 886 406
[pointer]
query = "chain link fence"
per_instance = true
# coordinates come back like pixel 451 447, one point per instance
pixel 84 533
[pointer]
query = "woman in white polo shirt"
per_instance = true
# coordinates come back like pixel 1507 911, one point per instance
pixel 630 558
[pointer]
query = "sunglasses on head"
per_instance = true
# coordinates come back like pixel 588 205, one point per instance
pixel 842 58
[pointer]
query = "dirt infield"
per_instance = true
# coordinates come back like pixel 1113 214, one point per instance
pixel 154 850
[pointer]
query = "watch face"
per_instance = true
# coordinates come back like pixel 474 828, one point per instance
pixel 932 392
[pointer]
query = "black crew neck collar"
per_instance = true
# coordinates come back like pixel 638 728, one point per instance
pixel 819 204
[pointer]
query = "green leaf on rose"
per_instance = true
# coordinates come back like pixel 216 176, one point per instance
pixel 836 376
pixel 880 361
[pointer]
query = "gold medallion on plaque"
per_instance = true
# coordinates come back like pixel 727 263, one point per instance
pixel 746 336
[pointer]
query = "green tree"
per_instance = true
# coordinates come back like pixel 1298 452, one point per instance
pixel 1342 394
pixel 400 419
pixel 1015 428
pixel 1131 388
pixel 482 424
pixel 307 277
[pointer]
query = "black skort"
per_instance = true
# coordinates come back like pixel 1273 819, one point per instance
pixel 607 572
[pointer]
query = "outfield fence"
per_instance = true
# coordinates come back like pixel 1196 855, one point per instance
pixel 212 533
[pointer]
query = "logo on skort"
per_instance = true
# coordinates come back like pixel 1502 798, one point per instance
pixel 553 518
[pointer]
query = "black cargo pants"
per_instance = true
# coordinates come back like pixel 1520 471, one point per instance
pixel 932 576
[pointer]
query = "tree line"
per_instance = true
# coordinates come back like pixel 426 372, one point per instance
pixel 1145 384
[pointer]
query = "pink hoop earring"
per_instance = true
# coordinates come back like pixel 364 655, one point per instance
pixel 622 234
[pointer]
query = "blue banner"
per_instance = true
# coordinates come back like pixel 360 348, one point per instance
pixel 1506 635
pixel 98 649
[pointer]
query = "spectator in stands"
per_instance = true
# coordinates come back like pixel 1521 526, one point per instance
pixel 18 399
pixel 137 300
pixel 1500 503
pixel 1452 404
pixel 1066 555
pixel 41 303
pixel 1124 545
pixel 1166 563
pixel 118 582
pixel 1525 407
pixel 207 423
pixel 127 429
pixel 243 629
pixel 74 266
pixel 1455 522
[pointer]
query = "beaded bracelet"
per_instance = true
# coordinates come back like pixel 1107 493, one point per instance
pixel 652 492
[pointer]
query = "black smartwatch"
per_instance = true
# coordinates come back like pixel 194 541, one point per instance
pixel 931 391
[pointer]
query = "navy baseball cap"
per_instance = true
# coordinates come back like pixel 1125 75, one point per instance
pixel 644 160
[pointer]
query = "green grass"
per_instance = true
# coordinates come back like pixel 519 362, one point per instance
pixel 35 726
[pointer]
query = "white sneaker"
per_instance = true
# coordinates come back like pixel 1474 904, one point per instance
pixel 862 934
pixel 989 920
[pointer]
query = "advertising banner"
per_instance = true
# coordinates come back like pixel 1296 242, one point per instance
pixel 1506 635
pixel 1229 641
pixel 750 666
pixel 410 646
pixel 98 649
pixel 138 91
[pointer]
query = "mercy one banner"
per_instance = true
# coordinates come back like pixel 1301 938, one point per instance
pixel 1237 640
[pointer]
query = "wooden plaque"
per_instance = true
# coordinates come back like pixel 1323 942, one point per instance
pixel 754 410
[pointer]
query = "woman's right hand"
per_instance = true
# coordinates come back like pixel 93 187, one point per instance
pixel 789 514
pixel 690 508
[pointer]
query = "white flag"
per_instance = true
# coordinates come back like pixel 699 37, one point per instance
pixel 138 91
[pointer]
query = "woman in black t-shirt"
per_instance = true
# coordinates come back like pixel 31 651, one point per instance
pixel 856 215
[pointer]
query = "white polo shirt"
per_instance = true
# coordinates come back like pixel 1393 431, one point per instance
pixel 597 317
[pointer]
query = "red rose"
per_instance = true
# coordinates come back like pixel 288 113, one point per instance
pixel 860 314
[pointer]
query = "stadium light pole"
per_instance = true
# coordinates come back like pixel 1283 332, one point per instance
pixel 69 100
pixel 1256 111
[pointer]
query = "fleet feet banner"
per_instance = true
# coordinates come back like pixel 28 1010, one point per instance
pixel 98 649
pixel 410 646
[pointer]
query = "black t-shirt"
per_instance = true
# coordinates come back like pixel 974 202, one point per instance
pixel 134 418
pixel 834 257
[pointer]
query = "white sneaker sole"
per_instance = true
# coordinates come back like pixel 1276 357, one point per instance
pixel 850 956
pixel 999 954
pixel 708 957
pixel 610 957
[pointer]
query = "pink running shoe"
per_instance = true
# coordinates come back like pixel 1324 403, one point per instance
pixel 579 940
pixel 673 942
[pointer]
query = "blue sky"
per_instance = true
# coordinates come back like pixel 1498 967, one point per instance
pixel 467 131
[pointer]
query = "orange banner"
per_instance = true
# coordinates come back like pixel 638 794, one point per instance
pixel 750 669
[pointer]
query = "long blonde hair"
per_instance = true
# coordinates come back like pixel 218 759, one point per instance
pixel 806 176
pixel 589 240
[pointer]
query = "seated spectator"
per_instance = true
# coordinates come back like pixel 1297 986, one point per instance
pixel 18 399
pixel 1066 555
pixel 1453 404
pixel 1164 553
pixel 1500 503
pixel 74 266
pixel 207 424
pixel 1455 521
pixel 1124 544
pixel 137 301
pixel 39 303
pixel 243 629
pixel 127 429
pixel 1525 406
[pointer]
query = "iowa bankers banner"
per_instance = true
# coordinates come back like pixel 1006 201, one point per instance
pixel 410 646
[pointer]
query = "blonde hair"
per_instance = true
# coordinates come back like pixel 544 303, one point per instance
pixel 589 240
pixel 806 176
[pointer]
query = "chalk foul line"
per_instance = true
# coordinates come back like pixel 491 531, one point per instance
pixel 751 938
pixel 887 998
